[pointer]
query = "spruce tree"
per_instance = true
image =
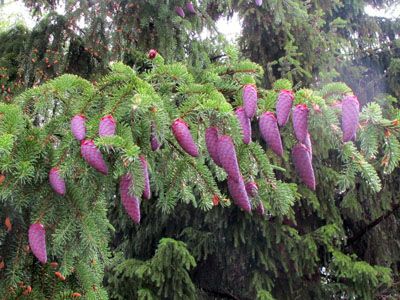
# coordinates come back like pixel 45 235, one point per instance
pixel 194 238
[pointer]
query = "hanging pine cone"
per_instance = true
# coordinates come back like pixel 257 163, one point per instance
pixel 180 11
pixel 107 126
pixel 250 100
pixel 184 137
pixel 251 189
pixel 244 124
pixel 300 122
pixel 155 144
pixel 56 181
pixel 78 127
pixel 350 117
pixel 284 106
pixel 37 241
pixel 130 202
pixel 302 162
pixel 227 157
pixel 258 2
pixel 270 132
pixel 307 143
pixel 93 156
pixel 190 8
pixel 146 191
pixel 238 193
pixel 211 137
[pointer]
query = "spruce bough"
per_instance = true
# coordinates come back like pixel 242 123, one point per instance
pixel 192 118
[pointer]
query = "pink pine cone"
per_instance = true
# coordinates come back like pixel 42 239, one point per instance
pixel 211 137
pixel 238 193
pixel 250 100
pixel 182 134
pixel 284 106
pixel 350 117
pixel 260 209
pixel 300 122
pixel 180 11
pixel 307 143
pixel 130 202
pixel 155 144
pixel 190 8
pixel 251 189
pixel 93 156
pixel 37 241
pixel 78 127
pixel 227 157
pixel 258 2
pixel 244 124
pixel 146 191
pixel 302 162
pixel 56 181
pixel 270 132
pixel 107 126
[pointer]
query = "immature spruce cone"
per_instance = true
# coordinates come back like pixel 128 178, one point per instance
pixel 78 127
pixel 146 191
pixel 350 117
pixel 251 189
pixel 107 126
pixel 307 143
pixel 238 193
pixel 180 11
pixel 190 8
pixel 244 124
pixel 211 137
pixel 300 122
pixel 130 202
pixel 37 241
pixel 284 106
pixel 258 2
pixel 155 144
pixel 93 156
pixel 270 132
pixel 182 134
pixel 56 181
pixel 250 100
pixel 302 162
pixel 227 157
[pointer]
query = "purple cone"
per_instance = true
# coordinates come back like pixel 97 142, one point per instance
pixel 284 106
pixel 251 189
pixel 78 127
pixel 211 137
pixel 302 162
pixel 146 191
pixel 56 181
pixel 350 117
pixel 182 134
pixel 270 132
pixel 190 8
pixel 258 2
pixel 238 193
pixel 244 124
pixel 227 157
pixel 250 100
pixel 180 11
pixel 130 202
pixel 107 126
pixel 307 143
pixel 260 209
pixel 37 241
pixel 155 144
pixel 300 122
pixel 93 156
